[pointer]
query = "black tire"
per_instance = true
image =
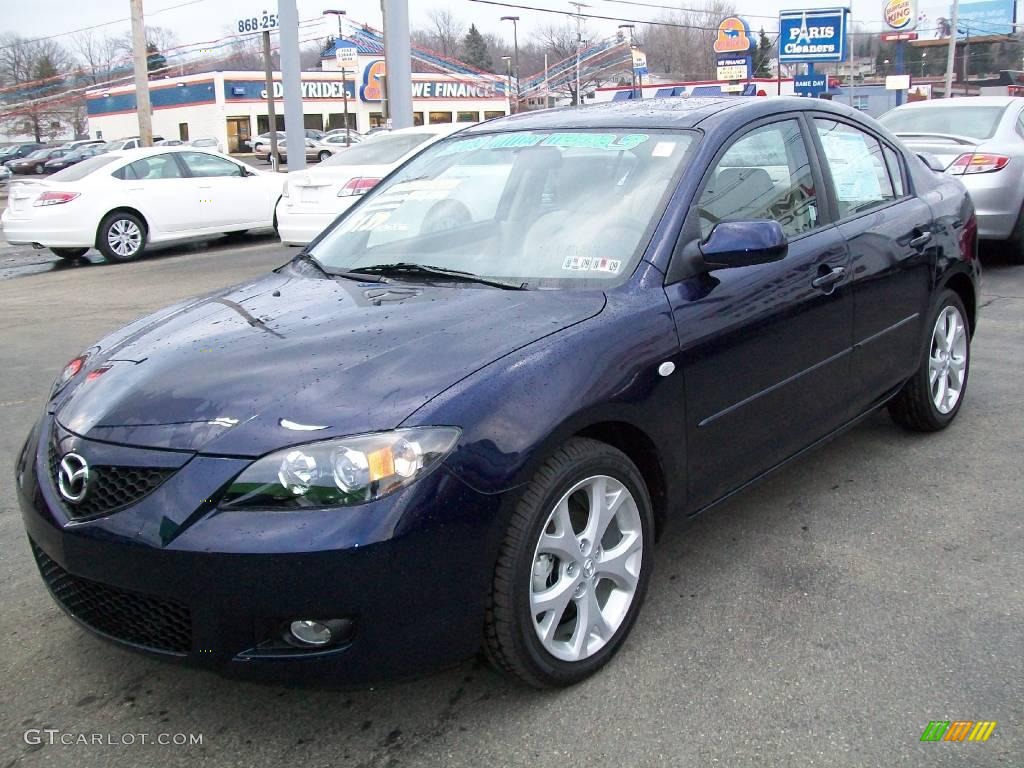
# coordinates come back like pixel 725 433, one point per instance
pixel 103 235
pixel 510 640
pixel 39 169
pixel 1015 245
pixel 323 156
pixel 914 408
pixel 69 253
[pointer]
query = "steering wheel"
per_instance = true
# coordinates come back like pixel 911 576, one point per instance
pixel 444 215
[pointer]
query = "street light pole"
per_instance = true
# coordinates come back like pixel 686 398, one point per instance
pixel 344 79
pixel 515 52
pixel 951 53
pixel 579 44
pixel 632 67
pixel 508 88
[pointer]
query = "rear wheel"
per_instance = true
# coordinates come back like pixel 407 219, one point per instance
pixel 1015 245
pixel 573 568
pixel 122 236
pixel 931 398
pixel 323 155
pixel 69 253
pixel 39 168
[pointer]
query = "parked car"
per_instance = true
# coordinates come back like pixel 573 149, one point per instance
pixel 981 141
pixel 130 142
pixel 120 202
pixel 5 175
pixel 36 162
pixel 261 144
pixel 78 143
pixel 16 152
pixel 313 198
pixel 206 143
pixel 71 157
pixel 311 150
pixel 169 143
pixel 447 424
pixel 332 144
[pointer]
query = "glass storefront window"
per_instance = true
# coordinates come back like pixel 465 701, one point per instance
pixel 417 118
pixel 440 117
pixel 468 117
pixel 491 114
pixel 376 119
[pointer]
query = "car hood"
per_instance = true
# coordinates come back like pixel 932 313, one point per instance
pixel 218 374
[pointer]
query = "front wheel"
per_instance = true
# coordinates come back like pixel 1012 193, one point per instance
pixel 323 156
pixel 932 397
pixel 573 568
pixel 69 253
pixel 39 169
pixel 122 236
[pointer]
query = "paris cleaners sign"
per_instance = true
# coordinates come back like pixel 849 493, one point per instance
pixel 806 36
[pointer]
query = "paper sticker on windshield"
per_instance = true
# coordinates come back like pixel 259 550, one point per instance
pixel 663 149
pixel 591 264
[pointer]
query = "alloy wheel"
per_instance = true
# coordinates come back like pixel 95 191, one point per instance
pixel 586 568
pixel 947 359
pixel 124 237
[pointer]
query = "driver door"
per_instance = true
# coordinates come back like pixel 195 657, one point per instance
pixel 766 348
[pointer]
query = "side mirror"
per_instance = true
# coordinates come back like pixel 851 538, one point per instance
pixel 743 244
pixel 932 162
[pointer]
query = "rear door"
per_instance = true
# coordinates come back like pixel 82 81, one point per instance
pixel 156 185
pixel 227 198
pixel 888 231
pixel 766 347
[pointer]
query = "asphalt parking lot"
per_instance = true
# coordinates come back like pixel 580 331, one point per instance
pixel 823 618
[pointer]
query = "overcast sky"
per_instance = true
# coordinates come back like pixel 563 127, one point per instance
pixel 201 20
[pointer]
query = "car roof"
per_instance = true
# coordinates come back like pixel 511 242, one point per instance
pixel 972 101
pixel 678 112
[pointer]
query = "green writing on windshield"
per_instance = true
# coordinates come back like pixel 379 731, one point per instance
pixel 580 140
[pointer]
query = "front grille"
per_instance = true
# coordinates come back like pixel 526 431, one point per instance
pixel 110 488
pixel 150 622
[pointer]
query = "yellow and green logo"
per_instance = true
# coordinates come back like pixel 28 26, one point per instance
pixel 958 730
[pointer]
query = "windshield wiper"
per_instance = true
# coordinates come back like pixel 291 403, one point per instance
pixel 428 270
pixel 309 259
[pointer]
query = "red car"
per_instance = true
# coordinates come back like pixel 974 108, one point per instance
pixel 35 162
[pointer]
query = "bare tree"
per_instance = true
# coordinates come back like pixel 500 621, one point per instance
pixel 100 56
pixel 39 68
pixel 447 31
pixel 562 43
pixel 683 43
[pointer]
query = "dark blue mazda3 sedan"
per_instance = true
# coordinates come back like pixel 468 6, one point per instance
pixel 460 418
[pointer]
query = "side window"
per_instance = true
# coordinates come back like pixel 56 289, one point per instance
pixel 202 164
pixel 858 167
pixel 895 170
pixel 765 174
pixel 155 167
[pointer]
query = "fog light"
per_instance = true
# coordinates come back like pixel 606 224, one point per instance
pixel 311 632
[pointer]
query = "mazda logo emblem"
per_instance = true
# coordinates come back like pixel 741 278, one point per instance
pixel 73 477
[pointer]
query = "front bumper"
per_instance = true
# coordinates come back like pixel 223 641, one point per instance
pixel 997 200
pixel 212 589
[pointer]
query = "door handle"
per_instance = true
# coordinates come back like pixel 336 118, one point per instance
pixel 921 240
pixel 830 278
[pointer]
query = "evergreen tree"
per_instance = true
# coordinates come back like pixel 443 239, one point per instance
pixel 475 51
pixel 763 56
pixel 154 59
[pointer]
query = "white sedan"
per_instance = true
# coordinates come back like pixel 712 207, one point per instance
pixel 313 198
pixel 120 202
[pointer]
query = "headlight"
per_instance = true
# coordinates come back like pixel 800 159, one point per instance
pixel 341 472
pixel 69 372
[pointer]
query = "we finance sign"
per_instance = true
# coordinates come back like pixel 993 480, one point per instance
pixel 807 36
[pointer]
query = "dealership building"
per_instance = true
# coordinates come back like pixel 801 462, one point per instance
pixel 231 106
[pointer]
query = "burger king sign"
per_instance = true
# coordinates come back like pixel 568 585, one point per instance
pixel 900 14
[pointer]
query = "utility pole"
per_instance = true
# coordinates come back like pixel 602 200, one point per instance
pixel 344 72
pixel 268 69
pixel 397 62
pixel 951 54
pixel 515 53
pixel 967 48
pixel 142 104
pixel 579 45
pixel 632 66
pixel 291 84
pixel 508 88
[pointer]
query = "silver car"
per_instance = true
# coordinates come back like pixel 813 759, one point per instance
pixel 981 140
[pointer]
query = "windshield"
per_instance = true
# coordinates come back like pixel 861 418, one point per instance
pixel 84 168
pixel 381 151
pixel 552 209
pixel 974 122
